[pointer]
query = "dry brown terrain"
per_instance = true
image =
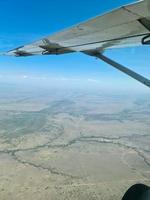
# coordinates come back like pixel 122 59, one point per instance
pixel 72 145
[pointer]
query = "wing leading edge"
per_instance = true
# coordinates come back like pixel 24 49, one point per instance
pixel 122 27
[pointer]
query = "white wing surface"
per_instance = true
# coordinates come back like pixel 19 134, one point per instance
pixel 122 27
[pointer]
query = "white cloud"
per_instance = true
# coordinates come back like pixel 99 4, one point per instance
pixel 25 76
pixel 93 80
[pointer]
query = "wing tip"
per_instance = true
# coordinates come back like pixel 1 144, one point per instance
pixel 3 53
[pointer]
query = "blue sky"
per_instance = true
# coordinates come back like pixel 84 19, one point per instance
pixel 24 21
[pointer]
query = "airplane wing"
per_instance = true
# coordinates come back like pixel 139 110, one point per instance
pixel 123 27
pixel 126 26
